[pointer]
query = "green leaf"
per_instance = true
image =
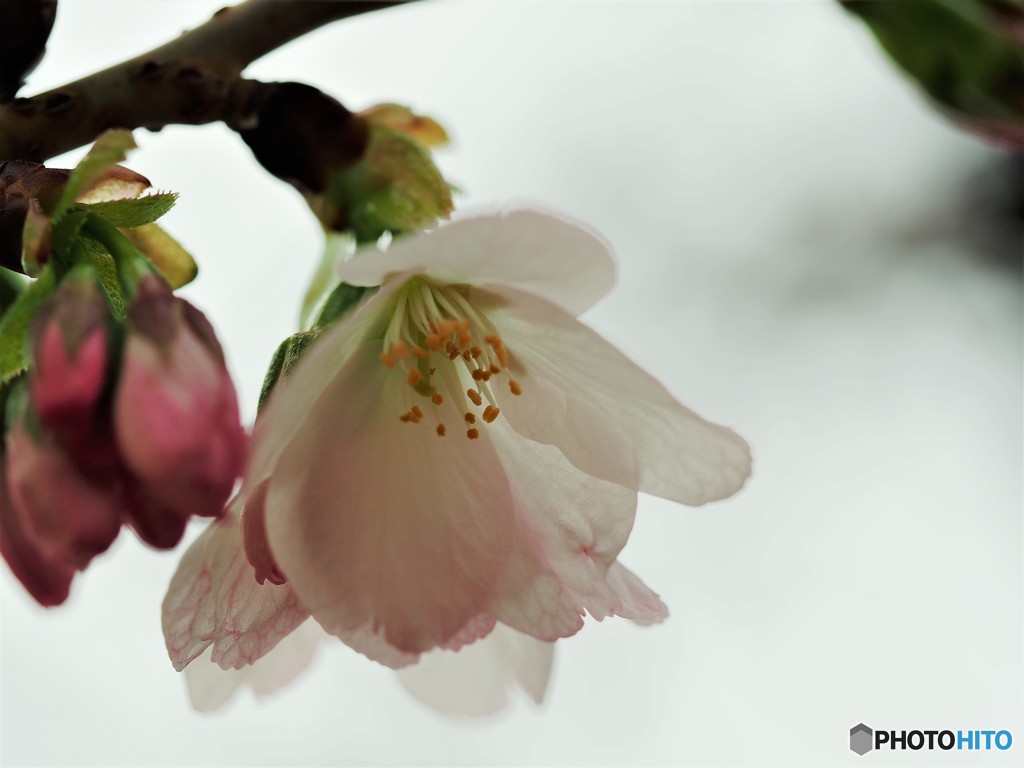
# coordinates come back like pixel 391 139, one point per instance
pixel 133 212
pixel 395 187
pixel 17 323
pixel 175 263
pixel 11 286
pixel 110 149
pixel 106 270
pixel 337 247
pixel 954 50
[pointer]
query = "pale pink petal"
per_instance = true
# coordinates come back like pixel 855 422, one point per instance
pixel 254 538
pixel 215 600
pixel 570 527
pixel 477 679
pixel 609 417
pixel 532 251
pixel 285 412
pixel 638 602
pixel 372 644
pixel 383 524
pixel 210 686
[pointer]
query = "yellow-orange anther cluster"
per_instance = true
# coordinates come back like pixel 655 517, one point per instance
pixel 440 340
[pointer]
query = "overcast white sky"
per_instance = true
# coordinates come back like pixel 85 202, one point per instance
pixel 796 262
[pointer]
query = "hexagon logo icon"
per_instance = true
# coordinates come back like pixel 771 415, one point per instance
pixel 861 740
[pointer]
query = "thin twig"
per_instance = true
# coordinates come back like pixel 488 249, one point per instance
pixel 192 80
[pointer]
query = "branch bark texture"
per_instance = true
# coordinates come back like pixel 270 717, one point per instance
pixel 192 80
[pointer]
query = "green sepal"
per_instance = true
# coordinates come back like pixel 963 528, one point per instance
pixel 16 324
pixel 341 300
pixel 395 187
pixel 133 211
pixel 110 149
pixel 285 357
pixel 337 247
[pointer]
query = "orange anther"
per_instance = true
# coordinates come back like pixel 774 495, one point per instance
pixel 420 352
pixel 491 413
pixel 470 418
pixel 414 376
pixel 474 396
pixel 485 375
pixel 399 350
pixel 440 430
pixel 477 375
pixel 514 387
pixel 388 362
pixel 433 341
pixel 476 352
pixel 416 412
pixel 437 398
pixel 472 434
pixel 495 369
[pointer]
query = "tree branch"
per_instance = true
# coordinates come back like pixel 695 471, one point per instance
pixel 192 80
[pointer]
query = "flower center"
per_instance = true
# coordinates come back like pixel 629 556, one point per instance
pixel 450 355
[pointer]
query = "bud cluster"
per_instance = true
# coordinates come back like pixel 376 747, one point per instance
pixel 131 421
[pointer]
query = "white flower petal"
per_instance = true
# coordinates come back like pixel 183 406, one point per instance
pixel 210 686
pixel 386 525
pixel 285 411
pixel 476 680
pixel 215 600
pixel 638 602
pixel 609 417
pixel 527 250
pixel 570 528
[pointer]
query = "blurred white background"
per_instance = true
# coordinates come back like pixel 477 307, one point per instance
pixel 808 254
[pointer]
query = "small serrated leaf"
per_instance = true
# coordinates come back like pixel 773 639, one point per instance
pixel 174 262
pixel 106 271
pixel 110 149
pixel 16 324
pixel 134 212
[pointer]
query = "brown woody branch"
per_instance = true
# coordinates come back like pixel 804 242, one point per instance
pixel 192 80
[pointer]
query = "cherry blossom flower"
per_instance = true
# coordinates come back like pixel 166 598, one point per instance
pixel 458 452
pixel 218 618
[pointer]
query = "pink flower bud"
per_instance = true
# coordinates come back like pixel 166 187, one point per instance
pixel 67 518
pixel 69 350
pixel 48 581
pixel 175 410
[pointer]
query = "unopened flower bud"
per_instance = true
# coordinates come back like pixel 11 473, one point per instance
pixel 70 351
pixel 175 410
pixel 48 581
pixel 66 516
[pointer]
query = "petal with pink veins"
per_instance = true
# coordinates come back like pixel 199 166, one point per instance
pixel 215 600
pixel 570 527
pixel 210 686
